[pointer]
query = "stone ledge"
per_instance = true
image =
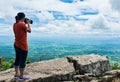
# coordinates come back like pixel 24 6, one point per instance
pixel 61 69
pixel 45 71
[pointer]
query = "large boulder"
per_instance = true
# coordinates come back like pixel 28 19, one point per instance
pixel 46 71
pixel 93 64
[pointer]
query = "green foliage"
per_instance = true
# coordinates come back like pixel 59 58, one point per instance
pixel 115 66
pixel 7 64
pixel 28 61
pixel 77 72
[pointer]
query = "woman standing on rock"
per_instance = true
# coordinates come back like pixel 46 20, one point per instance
pixel 20 29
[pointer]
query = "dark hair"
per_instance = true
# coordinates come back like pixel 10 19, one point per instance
pixel 16 18
pixel 19 16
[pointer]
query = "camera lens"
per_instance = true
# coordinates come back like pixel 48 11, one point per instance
pixel 31 21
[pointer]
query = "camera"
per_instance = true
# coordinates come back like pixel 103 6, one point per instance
pixel 26 19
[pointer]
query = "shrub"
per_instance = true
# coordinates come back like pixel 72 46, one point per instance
pixel 115 66
pixel 7 64
pixel 28 61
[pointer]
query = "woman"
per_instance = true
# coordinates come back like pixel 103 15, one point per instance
pixel 20 44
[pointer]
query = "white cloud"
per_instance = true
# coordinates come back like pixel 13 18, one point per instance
pixel 7 12
pixel 99 23
pixel 115 5
pixel 44 16
pixel 6 31
pixel 105 22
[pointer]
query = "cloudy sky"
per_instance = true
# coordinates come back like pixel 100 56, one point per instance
pixel 64 17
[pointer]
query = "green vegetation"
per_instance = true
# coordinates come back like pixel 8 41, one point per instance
pixel 7 64
pixel 10 64
pixel 77 72
pixel 115 66
pixel 28 61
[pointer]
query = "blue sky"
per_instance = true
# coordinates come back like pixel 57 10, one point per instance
pixel 64 17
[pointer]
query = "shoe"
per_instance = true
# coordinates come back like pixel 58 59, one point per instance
pixel 23 78
pixel 16 76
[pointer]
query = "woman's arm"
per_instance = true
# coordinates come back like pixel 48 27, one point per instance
pixel 28 28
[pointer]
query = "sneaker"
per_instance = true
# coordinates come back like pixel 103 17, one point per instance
pixel 23 78
pixel 16 76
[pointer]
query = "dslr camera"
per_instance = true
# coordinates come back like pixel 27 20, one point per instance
pixel 26 19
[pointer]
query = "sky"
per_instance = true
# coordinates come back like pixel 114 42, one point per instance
pixel 81 18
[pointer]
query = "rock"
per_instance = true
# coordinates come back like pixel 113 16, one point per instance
pixel 95 81
pixel 80 78
pixel 63 70
pixel 113 72
pixel 46 71
pixel 85 78
pixel 0 63
pixel 66 81
pixel 94 64
pixel 107 78
pixel 90 75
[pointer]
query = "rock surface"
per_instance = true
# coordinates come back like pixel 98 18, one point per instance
pixel 45 71
pixel 94 64
pixel 61 69
pixel 0 63
pixel 111 76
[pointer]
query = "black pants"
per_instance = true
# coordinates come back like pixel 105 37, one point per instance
pixel 20 59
